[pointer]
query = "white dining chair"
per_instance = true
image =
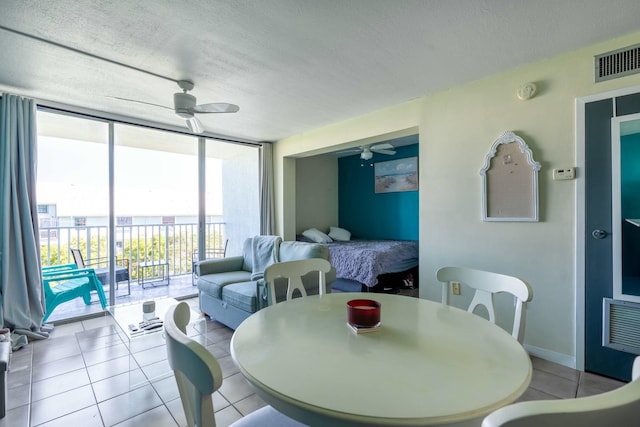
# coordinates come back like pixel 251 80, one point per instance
pixel 486 284
pixel 198 376
pixel 619 408
pixel 293 272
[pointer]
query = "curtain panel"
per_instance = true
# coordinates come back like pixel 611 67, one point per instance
pixel 21 291
pixel 267 220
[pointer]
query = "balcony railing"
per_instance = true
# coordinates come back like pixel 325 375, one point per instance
pixel 175 244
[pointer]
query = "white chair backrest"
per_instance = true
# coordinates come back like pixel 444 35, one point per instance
pixel 619 408
pixel 293 271
pixel 196 370
pixel 486 284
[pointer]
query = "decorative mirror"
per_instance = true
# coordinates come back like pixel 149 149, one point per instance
pixel 510 181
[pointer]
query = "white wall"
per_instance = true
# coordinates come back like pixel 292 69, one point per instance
pixel 542 253
pixel 316 193
pixel 457 128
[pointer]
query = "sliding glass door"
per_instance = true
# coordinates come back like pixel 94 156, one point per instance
pixel 156 209
pixel 73 196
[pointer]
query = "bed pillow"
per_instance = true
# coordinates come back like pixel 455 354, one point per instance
pixel 337 233
pixel 316 235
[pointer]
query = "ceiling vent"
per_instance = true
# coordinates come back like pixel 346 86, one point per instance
pixel 618 63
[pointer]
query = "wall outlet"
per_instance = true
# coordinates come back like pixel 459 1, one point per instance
pixel 455 288
pixel 564 173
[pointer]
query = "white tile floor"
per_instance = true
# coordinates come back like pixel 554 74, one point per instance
pixel 81 376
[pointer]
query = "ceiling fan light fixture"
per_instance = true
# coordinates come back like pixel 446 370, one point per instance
pixel 184 104
pixel 366 154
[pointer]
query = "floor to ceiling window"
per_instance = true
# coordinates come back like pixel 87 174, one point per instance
pixel 232 194
pixel 155 229
pixel 156 208
pixel 73 194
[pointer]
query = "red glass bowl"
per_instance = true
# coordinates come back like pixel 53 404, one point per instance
pixel 363 313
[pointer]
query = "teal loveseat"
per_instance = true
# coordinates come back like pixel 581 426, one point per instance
pixel 230 289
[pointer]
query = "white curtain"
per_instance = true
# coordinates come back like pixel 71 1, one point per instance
pixel 21 291
pixel 267 221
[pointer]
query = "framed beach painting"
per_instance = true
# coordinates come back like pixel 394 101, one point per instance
pixel 396 175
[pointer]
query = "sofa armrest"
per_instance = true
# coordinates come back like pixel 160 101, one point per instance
pixel 219 265
pixel 262 294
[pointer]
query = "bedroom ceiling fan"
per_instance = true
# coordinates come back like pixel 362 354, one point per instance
pixel 184 105
pixel 367 151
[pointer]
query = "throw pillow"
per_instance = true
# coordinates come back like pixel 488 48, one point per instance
pixel 337 233
pixel 316 235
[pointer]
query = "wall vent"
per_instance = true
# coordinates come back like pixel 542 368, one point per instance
pixel 621 325
pixel 617 63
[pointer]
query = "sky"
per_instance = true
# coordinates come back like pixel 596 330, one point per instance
pixel 73 175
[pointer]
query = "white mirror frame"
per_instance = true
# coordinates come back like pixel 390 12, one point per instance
pixel 509 137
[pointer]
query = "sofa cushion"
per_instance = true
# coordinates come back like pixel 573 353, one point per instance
pixel 292 251
pixel 212 284
pixel 241 295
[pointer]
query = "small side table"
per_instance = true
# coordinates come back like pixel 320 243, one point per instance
pixel 144 368
pixel 153 265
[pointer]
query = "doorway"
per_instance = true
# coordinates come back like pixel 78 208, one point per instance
pixel 603 236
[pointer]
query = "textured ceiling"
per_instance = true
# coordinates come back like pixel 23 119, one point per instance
pixel 291 65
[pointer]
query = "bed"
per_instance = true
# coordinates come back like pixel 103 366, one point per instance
pixel 374 265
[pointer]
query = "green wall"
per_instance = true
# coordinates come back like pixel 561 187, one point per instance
pixel 368 215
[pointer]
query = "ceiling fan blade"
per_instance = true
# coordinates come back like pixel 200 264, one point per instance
pixel 385 146
pixel 194 125
pixel 139 102
pixel 389 152
pixel 216 107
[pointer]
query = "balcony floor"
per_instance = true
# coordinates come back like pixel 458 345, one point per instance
pixel 180 287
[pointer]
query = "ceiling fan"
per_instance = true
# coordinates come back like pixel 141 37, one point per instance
pixel 367 151
pixel 184 105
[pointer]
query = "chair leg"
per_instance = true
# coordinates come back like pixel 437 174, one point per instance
pixel 86 296
pixel 98 288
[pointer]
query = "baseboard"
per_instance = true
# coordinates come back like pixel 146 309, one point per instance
pixel 552 356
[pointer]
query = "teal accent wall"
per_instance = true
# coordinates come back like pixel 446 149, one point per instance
pixel 368 215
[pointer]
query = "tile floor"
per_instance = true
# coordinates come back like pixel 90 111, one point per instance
pixel 81 376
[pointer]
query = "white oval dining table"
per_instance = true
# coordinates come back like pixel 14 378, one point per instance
pixel 428 364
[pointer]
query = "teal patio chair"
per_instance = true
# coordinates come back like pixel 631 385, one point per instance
pixel 66 282
pixel 49 269
pixel 101 267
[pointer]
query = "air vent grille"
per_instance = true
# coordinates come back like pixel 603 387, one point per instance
pixel 621 325
pixel 618 63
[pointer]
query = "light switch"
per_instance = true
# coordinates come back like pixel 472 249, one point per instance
pixel 564 174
